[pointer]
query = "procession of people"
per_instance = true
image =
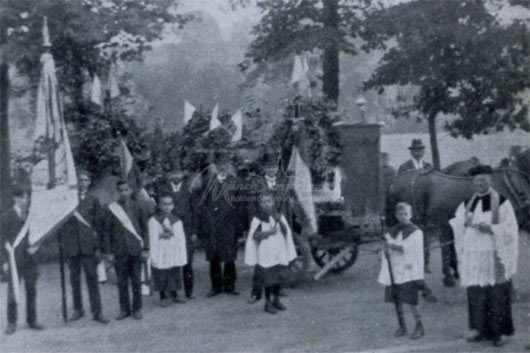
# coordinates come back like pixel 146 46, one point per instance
pixel 158 245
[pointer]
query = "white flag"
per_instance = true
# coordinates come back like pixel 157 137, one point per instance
pixel 95 94
pixel 299 75
pixel 237 119
pixel 114 89
pixel 214 122
pixel 188 111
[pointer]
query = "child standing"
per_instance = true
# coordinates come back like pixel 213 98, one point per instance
pixel 270 248
pixel 168 250
pixel 404 249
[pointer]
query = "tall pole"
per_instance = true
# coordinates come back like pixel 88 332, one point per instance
pixel 5 171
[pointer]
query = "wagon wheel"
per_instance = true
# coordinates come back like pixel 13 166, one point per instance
pixel 323 256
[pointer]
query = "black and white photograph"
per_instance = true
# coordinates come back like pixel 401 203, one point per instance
pixel 282 176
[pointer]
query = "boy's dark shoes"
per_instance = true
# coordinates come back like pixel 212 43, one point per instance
pixel 498 342
pixel 10 329
pixel 233 292
pixel 164 303
pixel 178 300
pixel 122 315
pixel 213 293
pixel 77 314
pixel 253 299
pixel 138 315
pixel 190 296
pixel 269 308
pixel 476 338
pixel 36 326
pixel 278 305
pixel 430 298
pixel 283 293
pixel 101 319
pixel 400 332
pixel 418 331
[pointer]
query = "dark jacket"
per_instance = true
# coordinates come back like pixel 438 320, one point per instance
pixel 409 165
pixel 118 240
pixel 222 218
pixel 10 225
pixel 79 239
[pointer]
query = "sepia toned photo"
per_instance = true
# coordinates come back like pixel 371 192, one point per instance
pixel 264 176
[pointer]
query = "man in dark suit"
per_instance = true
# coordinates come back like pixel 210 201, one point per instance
pixel 186 200
pixel 127 242
pixel 19 262
pixel 82 242
pixel 222 222
pixel 417 151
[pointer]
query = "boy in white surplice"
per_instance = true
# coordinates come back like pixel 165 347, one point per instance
pixel 168 250
pixel 404 248
pixel 270 248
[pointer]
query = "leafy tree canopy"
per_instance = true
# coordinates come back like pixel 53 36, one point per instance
pixel 463 61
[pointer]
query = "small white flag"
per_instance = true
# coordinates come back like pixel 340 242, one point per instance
pixel 95 94
pixel 114 89
pixel 188 111
pixel 214 122
pixel 237 119
pixel 299 75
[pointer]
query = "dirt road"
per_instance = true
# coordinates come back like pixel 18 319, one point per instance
pixel 340 313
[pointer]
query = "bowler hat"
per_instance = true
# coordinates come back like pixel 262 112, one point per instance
pixel 416 144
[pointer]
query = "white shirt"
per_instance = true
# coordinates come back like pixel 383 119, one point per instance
pixel 271 182
pixel 278 249
pixel 167 253
pixel 18 211
pixel 417 164
pixel 407 265
pixel 176 188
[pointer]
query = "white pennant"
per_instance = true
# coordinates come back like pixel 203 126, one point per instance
pixel 95 94
pixel 237 119
pixel 214 122
pixel 188 111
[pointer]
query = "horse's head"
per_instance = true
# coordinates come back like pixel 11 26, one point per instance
pixel 461 168
pixel 515 185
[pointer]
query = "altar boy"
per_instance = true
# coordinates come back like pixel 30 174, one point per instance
pixel 167 250
pixel 127 241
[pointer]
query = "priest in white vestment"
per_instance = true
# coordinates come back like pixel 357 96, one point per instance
pixel 486 242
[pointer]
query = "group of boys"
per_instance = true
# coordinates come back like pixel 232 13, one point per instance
pixel 215 210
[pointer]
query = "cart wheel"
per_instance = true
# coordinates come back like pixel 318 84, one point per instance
pixel 323 256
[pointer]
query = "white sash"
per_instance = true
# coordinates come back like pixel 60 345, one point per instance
pixel 81 219
pixel 12 262
pixel 125 221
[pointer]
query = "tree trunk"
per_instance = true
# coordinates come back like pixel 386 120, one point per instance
pixel 330 63
pixel 5 160
pixel 434 141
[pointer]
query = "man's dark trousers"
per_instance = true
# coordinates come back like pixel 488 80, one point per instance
pixel 27 270
pixel 89 264
pixel 129 268
pixel 187 272
pixel 222 279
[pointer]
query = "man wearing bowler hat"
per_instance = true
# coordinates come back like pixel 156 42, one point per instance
pixel 417 151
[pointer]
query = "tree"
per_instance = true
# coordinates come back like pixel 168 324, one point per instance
pixel 295 26
pixel 86 35
pixel 462 61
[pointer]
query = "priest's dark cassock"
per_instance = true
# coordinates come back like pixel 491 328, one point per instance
pixel 487 261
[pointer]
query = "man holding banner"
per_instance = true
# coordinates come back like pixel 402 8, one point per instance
pixel 17 259
pixel 127 240
pixel 82 244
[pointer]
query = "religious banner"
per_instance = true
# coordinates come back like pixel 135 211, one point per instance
pixel 53 178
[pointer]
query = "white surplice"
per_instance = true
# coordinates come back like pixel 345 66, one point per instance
pixel 476 251
pixel 278 249
pixel 407 265
pixel 167 253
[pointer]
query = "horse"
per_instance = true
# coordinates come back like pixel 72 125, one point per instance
pixel 461 168
pixel 434 197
